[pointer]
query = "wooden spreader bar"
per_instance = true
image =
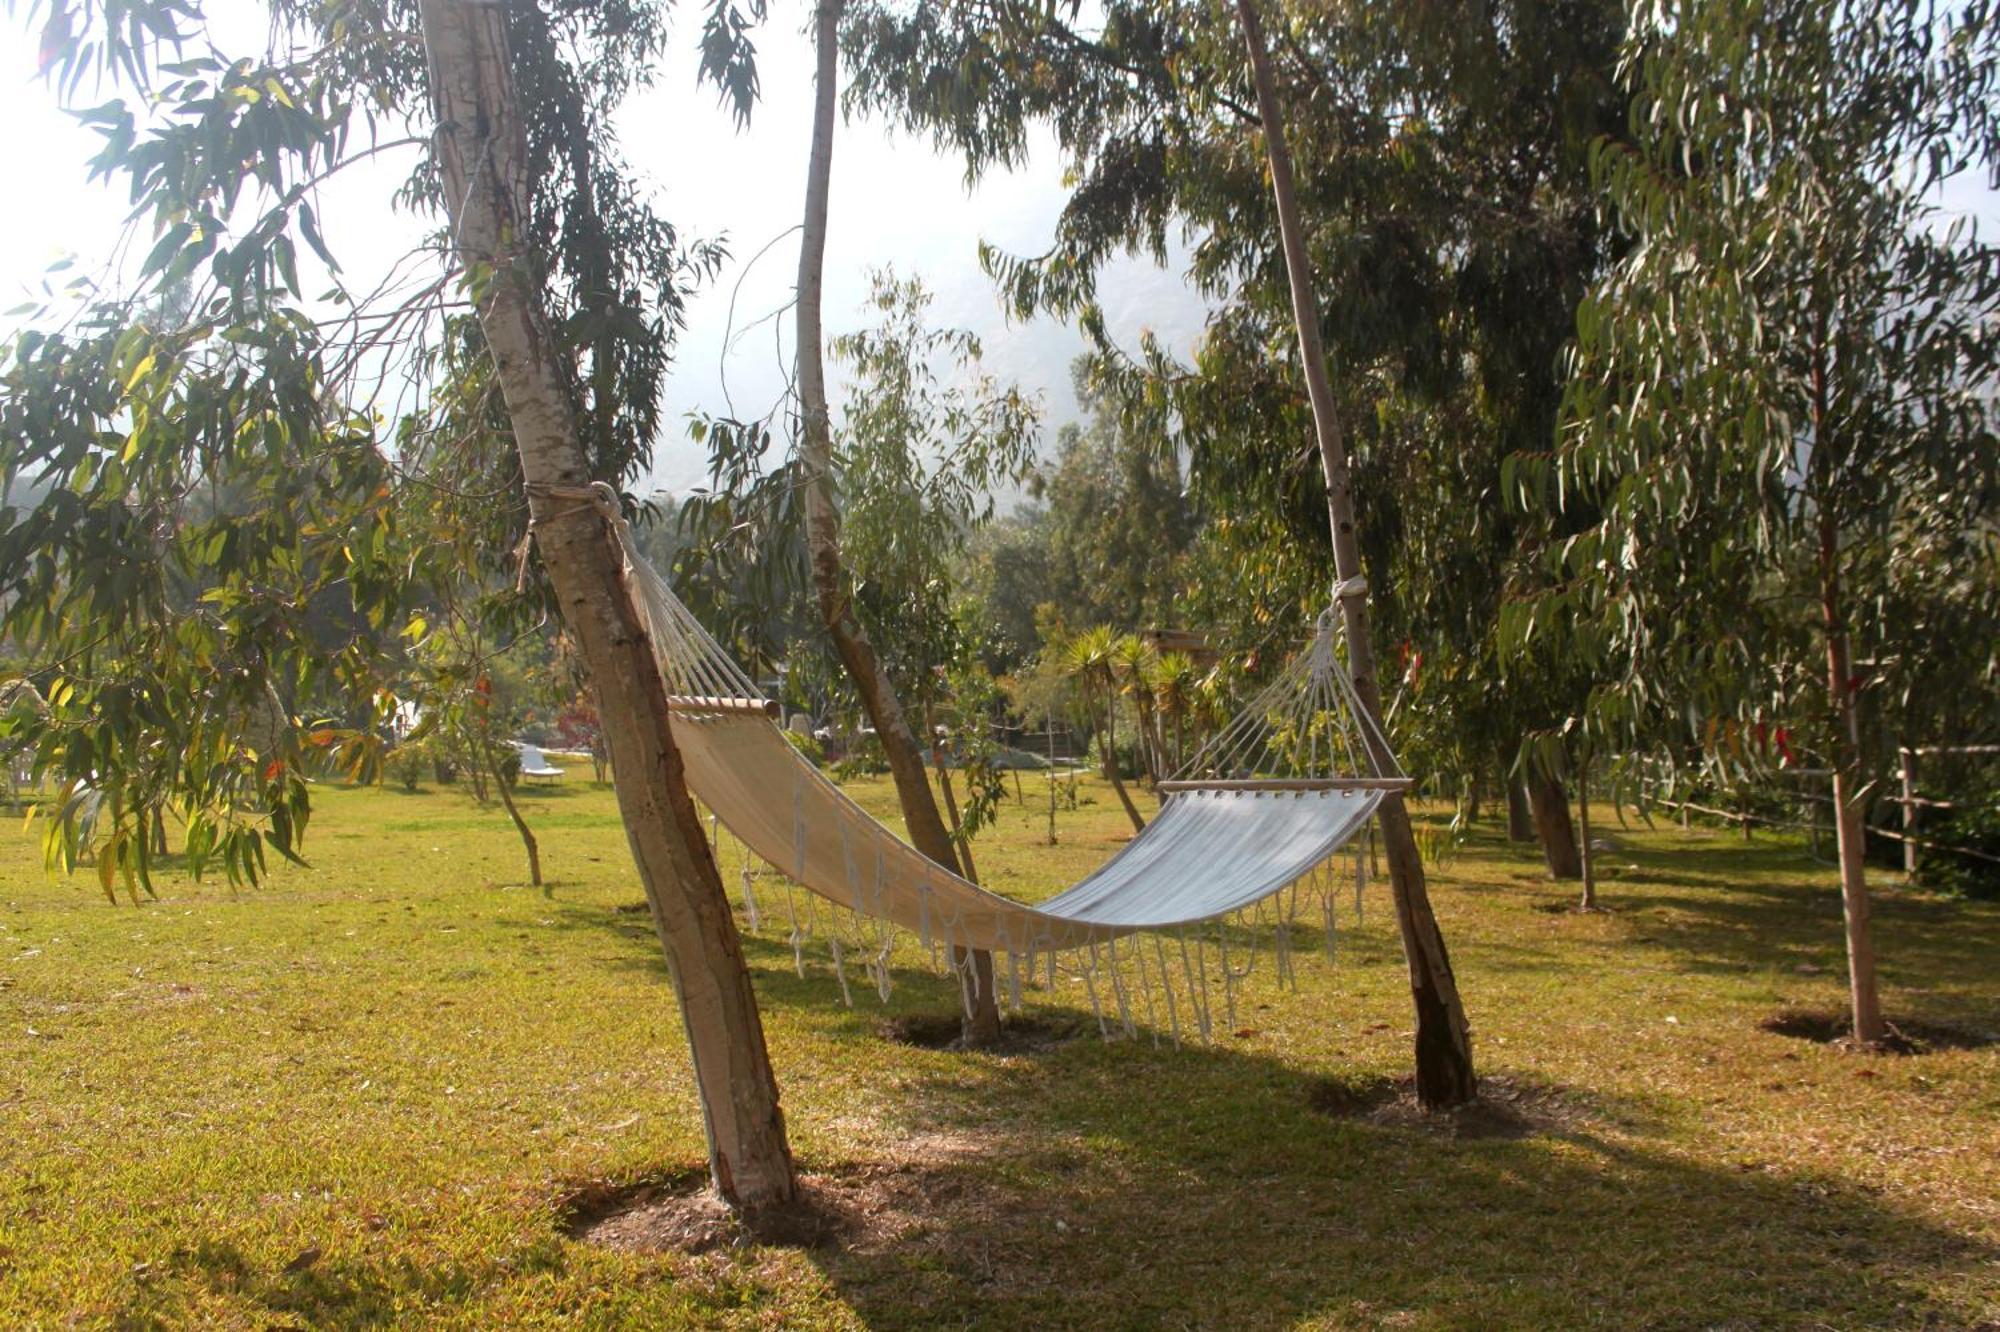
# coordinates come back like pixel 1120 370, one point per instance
pixel 711 703
pixel 1292 784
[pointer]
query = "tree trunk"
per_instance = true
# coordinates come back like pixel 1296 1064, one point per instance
pixel 1109 759
pixel 1850 832
pixel 475 771
pixel 836 605
pixel 1051 734
pixel 482 157
pixel 960 842
pixel 1549 803
pixel 520 824
pixel 1520 823
pixel 1443 1042
pixel 1588 857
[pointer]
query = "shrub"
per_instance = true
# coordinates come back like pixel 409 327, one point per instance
pixel 864 758
pixel 808 746
pixel 1975 825
pixel 405 764
pixel 1128 756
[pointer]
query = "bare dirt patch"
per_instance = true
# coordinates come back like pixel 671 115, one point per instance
pixel 932 1199
pixel 1572 907
pixel 1018 1035
pixel 1506 1108
pixel 1907 1036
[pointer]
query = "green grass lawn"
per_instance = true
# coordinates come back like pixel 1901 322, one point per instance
pixel 363 1095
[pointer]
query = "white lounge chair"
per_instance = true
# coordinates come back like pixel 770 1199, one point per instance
pixel 535 764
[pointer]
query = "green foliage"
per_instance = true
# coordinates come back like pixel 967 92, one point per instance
pixel 807 745
pixel 1107 541
pixel 864 758
pixel 220 555
pixel 1449 213
pixel 919 459
pixel 1781 412
pixel 925 442
pixel 410 762
pixel 1973 823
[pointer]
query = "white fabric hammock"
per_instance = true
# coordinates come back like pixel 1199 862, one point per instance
pixel 1262 807
pixel 1208 853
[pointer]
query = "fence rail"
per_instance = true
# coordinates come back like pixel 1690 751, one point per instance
pixel 1908 801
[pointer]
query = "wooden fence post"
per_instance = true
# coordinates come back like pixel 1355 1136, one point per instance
pixel 1908 763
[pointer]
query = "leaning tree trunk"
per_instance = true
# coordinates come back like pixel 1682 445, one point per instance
pixel 836 601
pixel 1443 1042
pixel 482 156
pixel 1109 760
pixel 528 842
pixel 1554 829
pixel 959 841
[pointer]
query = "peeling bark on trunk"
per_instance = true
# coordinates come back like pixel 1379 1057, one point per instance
pixel 1443 1042
pixel 1520 823
pixel 1554 829
pixel 836 608
pixel 482 156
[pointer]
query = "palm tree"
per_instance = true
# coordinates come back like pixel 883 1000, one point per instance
pixel 1173 698
pixel 1091 658
pixel 1133 662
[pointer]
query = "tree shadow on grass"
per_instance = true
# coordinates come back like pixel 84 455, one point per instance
pixel 1088 1185
pixel 1134 1184
pixel 1127 1187
pixel 1722 907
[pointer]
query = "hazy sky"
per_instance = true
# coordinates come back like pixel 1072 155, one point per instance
pixel 894 202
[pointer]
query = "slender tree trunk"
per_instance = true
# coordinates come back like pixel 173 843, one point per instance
pixel 482 155
pixel 520 824
pixel 960 842
pixel 1520 823
pixel 836 605
pixel 1549 803
pixel 1110 759
pixel 1588 854
pixel 475 771
pixel 1443 1042
pixel 1850 832
pixel 1051 736
pixel 957 826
